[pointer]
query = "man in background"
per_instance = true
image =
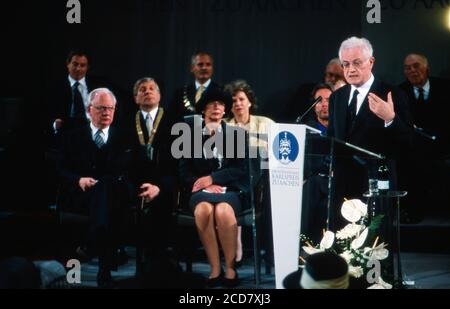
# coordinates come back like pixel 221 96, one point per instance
pixel 333 75
pixel 186 98
pixel 425 174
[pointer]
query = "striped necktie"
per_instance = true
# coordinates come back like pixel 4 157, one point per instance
pixel 99 141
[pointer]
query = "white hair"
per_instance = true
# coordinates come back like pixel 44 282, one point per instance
pixel 355 42
pixel 94 93
pixel 421 57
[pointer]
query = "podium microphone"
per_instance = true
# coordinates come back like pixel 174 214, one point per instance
pixel 300 118
pixel 421 132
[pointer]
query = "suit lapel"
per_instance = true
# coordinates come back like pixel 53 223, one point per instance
pixel 364 110
pixel 143 127
pixel 67 94
pixel 431 93
pixel 411 94
pixel 86 137
pixel 112 138
pixel 341 113
pixel 191 93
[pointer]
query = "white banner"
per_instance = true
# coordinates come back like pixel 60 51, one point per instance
pixel 286 156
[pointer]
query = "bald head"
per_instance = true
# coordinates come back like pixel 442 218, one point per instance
pixel 416 69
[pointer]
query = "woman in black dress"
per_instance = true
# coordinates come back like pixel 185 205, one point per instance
pixel 216 183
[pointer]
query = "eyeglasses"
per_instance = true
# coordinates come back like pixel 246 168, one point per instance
pixel 357 64
pixel 105 108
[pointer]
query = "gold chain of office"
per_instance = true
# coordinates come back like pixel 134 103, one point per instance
pixel 140 132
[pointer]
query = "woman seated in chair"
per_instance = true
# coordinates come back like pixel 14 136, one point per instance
pixel 216 182
pixel 244 105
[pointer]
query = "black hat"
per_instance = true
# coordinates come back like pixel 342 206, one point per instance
pixel 323 270
pixel 211 95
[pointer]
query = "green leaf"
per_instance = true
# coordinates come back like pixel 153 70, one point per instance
pixel 376 222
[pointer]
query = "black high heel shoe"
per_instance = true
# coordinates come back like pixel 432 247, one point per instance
pixel 238 264
pixel 216 281
pixel 231 283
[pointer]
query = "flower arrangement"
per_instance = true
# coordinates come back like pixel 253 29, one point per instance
pixel 353 242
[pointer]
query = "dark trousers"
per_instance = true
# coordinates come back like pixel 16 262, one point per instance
pixel 107 203
pixel 314 207
pixel 157 226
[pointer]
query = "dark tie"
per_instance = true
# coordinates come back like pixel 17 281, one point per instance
pixel 99 141
pixel 77 102
pixel 421 97
pixel 420 109
pixel 352 111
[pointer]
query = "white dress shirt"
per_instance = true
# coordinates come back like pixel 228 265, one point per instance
pixel 197 84
pixel 426 91
pixel 82 87
pixel 363 92
pixel 152 113
pixel 105 132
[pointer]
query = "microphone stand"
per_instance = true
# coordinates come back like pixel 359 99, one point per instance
pixel 299 118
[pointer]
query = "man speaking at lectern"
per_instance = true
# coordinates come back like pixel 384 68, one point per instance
pixel 367 113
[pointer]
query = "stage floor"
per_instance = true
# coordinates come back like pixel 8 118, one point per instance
pixel 420 271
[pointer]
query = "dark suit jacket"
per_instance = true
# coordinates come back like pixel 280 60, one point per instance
pixel 315 189
pixel 163 163
pixel 427 116
pixel 80 159
pixel 234 171
pixel 178 109
pixel 369 132
pixel 61 101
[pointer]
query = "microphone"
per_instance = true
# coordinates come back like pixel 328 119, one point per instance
pixel 421 132
pixel 299 118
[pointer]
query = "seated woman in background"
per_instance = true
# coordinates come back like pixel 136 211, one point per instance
pixel 244 104
pixel 215 181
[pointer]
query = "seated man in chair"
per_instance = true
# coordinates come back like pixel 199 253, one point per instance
pixel 155 167
pixel 215 181
pixel 95 166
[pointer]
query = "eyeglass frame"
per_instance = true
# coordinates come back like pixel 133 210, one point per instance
pixel 357 64
pixel 104 108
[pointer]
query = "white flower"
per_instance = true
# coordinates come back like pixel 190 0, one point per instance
pixel 349 231
pixel 327 240
pixel 377 253
pixel 347 255
pixel 355 271
pixel 311 250
pixel 353 210
pixel 380 285
pixel 358 242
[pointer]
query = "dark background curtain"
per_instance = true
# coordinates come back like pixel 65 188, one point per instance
pixel 275 45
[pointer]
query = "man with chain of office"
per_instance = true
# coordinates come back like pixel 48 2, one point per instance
pixel 184 103
pixel 154 166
